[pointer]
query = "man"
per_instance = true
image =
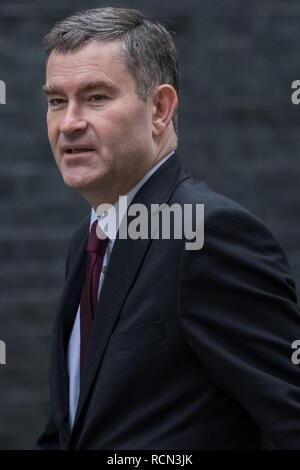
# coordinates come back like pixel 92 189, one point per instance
pixel 166 348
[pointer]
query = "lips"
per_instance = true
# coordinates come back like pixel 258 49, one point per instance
pixel 77 150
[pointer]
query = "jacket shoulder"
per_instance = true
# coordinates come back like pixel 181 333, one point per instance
pixel 195 191
pixel 228 220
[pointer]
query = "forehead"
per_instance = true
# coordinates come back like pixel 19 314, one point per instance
pixel 98 59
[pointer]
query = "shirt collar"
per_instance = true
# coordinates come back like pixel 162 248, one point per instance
pixel 108 222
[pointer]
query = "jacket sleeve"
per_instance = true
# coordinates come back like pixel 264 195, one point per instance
pixel 238 311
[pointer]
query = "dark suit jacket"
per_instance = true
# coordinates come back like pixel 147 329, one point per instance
pixel 190 349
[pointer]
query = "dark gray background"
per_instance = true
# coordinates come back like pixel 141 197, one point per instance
pixel 239 131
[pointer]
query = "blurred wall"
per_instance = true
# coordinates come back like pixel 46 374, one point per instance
pixel 238 132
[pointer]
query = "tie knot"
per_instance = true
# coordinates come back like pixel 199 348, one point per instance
pixel 96 244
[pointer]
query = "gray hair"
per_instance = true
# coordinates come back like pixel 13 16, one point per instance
pixel 148 48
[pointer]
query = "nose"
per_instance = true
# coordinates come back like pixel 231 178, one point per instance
pixel 72 120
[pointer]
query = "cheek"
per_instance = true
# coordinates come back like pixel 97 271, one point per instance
pixel 53 137
pixel 126 121
pixel 114 136
pixel 51 130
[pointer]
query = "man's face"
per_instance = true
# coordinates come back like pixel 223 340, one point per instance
pixel 99 130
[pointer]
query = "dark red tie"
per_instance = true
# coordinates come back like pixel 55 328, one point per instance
pixel 89 295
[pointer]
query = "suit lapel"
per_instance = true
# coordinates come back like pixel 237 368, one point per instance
pixel 125 261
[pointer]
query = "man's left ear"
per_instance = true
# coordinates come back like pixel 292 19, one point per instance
pixel 165 102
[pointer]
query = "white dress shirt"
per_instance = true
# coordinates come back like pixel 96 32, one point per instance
pixel 73 358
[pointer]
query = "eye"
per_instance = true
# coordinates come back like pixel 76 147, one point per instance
pixel 98 98
pixel 55 101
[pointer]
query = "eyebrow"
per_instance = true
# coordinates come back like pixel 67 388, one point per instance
pixel 53 89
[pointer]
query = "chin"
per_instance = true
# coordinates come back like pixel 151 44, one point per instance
pixel 78 182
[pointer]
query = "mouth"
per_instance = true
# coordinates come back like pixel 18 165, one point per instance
pixel 77 154
pixel 76 151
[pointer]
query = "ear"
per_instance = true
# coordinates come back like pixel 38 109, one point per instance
pixel 165 102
